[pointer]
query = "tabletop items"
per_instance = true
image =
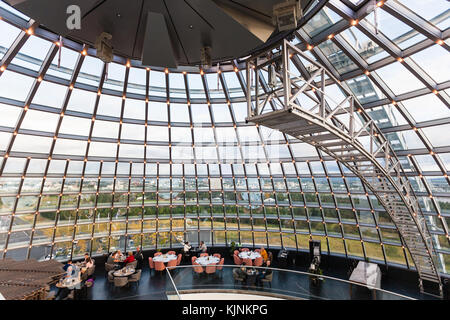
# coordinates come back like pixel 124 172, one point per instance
pixel 73 281
pixel 164 258
pixel 249 255
pixel 207 260
pixel 69 283
pixel 124 272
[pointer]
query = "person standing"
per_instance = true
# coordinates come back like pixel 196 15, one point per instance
pixel 186 250
pixel 139 257
pixel 203 248
pixel 264 254
pixel 186 247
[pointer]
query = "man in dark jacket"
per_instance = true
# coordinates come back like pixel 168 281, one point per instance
pixel 263 273
pixel 139 258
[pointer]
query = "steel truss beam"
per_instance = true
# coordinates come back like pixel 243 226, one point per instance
pixel 346 132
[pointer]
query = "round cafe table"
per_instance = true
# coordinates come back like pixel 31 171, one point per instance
pixel 249 255
pixel 206 260
pixel 164 258
pixel 125 272
pixel 69 283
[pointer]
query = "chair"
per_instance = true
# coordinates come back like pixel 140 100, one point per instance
pixel 203 254
pixel 171 264
pixel 247 262
pixel 198 269
pixel 220 266
pixel 157 254
pixel 186 255
pixel 120 282
pixel 159 266
pixel 109 267
pixel 179 257
pixel 90 271
pixel 151 264
pixel 193 259
pixel 268 279
pixel 171 252
pixel 217 255
pixel 237 260
pixel 110 277
pixel 258 262
pixel 135 277
pixel 84 276
pixel 132 264
pixel 210 268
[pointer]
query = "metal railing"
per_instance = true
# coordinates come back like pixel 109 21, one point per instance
pixel 285 284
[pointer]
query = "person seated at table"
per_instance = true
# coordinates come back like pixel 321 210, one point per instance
pixel 139 257
pixel 86 257
pixel 263 273
pixel 118 256
pixel 111 258
pixel 129 259
pixel 69 269
pixel 241 272
pixel 264 254
pixel 89 263
pixel 203 248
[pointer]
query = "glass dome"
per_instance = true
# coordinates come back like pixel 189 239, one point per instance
pixel 99 157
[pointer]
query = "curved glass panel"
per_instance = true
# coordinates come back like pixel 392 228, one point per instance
pixel 97 158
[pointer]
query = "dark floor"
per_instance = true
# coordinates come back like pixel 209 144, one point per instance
pixel 154 286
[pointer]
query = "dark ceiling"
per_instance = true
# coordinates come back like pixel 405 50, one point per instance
pixel 232 28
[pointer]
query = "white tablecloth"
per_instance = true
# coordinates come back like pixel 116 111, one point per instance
pixel 165 258
pixel 125 272
pixel 249 255
pixel 204 261
pixel 368 274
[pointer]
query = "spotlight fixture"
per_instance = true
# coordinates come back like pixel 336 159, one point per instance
pixel 286 14
pixel 205 57
pixel 104 47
